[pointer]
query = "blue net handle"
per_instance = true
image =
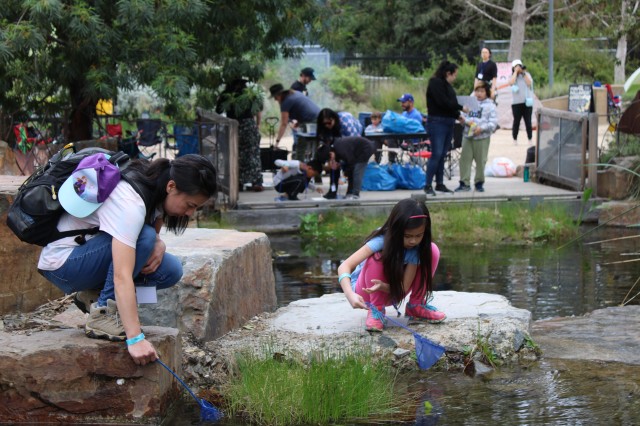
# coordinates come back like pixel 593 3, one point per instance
pixel 207 410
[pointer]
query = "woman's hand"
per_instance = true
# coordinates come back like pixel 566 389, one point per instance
pixel 156 257
pixel 356 301
pixel 142 352
pixel 378 286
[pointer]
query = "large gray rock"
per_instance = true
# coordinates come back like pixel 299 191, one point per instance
pixel 62 376
pixel 329 323
pixel 610 334
pixel 228 278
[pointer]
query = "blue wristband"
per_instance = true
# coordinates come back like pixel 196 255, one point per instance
pixel 135 340
pixel 346 274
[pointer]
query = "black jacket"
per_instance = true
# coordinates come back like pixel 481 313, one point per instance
pixel 441 99
pixel 349 150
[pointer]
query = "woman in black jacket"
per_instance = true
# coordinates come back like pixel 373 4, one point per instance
pixel 353 154
pixel 444 110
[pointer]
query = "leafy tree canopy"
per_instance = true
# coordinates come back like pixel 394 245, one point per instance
pixel 71 53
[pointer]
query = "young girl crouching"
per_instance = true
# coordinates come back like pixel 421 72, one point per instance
pixel 397 260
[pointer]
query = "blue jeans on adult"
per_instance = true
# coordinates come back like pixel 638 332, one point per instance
pixel 440 134
pixel 90 266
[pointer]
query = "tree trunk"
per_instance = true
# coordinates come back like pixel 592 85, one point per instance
pixel 518 24
pixel 621 48
pixel 83 109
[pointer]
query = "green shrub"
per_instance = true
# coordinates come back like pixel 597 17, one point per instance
pixel 345 82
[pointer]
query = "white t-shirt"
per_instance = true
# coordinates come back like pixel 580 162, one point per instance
pixel 122 216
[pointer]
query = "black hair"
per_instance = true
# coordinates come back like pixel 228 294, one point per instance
pixel 484 86
pixel 445 68
pixel 316 165
pixel 488 48
pixel 324 133
pixel 193 174
pixel 406 214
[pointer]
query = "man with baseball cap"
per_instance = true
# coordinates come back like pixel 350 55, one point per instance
pixel 408 110
pixel 306 77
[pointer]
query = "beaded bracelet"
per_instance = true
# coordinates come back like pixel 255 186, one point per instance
pixel 135 340
pixel 346 274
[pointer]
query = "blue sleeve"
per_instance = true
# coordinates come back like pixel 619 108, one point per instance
pixel 411 256
pixel 376 243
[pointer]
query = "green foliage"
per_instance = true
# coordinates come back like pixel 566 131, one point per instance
pixel 344 82
pixel 78 52
pixel 322 390
pixel 505 222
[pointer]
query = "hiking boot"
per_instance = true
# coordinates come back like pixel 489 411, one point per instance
pixel 85 298
pixel 424 312
pixel 104 323
pixel 375 318
pixel 463 188
pixel 442 188
pixel 429 191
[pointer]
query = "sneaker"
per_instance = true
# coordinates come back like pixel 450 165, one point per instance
pixel 424 312
pixel 85 298
pixel 352 197
pixel 374 320
pixel 281 198
pixel 442 188
pixel 463 188
pixel 480 187
pixel 429 191
pixel 331 195
pixel 104 323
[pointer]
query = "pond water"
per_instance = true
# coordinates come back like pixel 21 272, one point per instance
pixel 548 282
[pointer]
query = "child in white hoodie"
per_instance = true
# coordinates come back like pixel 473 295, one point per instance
pixel 294 177
pixel 480 123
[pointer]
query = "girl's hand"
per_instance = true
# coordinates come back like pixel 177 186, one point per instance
pixel 378 286
pixel 477 130
pixel 284 169
pixel 356 301
pixel 461 119
pixel 143 352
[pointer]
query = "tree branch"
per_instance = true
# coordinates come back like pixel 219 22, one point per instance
pixel 486 15
pixel 486 3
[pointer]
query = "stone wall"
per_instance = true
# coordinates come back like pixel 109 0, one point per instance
pixel 22 288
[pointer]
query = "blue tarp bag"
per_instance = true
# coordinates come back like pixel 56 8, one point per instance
pixel 408 176
pixel 392 122
pixel 377 178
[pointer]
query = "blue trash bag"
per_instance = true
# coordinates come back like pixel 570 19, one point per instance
pixel 377 178
pixel 392 122
pixel 408 176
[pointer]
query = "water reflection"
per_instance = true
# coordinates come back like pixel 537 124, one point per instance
pixel 543 280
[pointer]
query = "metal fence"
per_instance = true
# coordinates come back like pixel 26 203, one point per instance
pixel 218 140
pixel 567 148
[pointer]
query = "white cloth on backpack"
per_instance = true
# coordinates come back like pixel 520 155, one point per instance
pixel 122 216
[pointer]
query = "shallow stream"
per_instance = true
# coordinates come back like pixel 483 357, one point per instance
pixel 548 282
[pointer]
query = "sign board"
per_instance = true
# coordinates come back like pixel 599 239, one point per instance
pixel 580 98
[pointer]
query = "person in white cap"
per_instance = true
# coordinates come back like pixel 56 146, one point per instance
pixel 522 99
pixel 125 250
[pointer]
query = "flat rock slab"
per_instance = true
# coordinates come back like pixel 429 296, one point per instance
pixel 329 322
pixel 610 334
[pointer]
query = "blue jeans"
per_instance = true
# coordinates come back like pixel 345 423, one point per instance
pixel 440 134
pixel 90 267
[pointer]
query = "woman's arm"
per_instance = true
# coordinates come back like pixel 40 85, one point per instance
pixel 284 122
pixel 527 79
pixel 124 257
pixel 347 267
